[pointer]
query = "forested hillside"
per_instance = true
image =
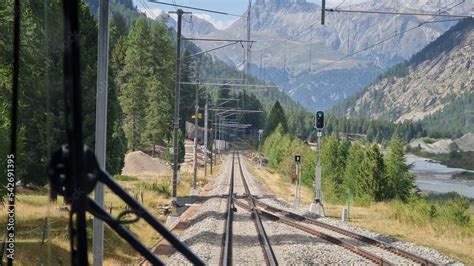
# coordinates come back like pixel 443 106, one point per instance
pixel 453 120
pixel 210 68
pixel 41 106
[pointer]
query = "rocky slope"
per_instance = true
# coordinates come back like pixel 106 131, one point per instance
pixel 191 25
pixel 287 63
pixel 443 146
pixel 440 73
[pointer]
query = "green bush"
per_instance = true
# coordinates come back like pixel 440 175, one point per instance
pixel 450 208
pixel 455 210
pixel 162 189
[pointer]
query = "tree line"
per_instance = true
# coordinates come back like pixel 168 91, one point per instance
pixel 360 168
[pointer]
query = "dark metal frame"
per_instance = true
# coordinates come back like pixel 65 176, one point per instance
pixel 74 171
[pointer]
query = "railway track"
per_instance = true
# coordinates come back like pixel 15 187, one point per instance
pixel 287 215
pixel 226 252
pixel 270 258
pixel 376 252
pixel 228 237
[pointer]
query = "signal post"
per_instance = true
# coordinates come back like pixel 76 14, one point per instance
pixel 296 201
pixel 317 206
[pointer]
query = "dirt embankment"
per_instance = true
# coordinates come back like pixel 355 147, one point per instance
pixel 138 163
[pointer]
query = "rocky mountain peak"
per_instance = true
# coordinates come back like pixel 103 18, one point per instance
pixel 284 38
pixel 272 6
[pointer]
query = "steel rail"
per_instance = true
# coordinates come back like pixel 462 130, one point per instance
pixel 350 234
pixel 363 253
pixel 270 258
pixel 226 251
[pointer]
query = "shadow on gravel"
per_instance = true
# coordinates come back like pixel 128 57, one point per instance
pixel 386 239
pixel 247 240
pixel 210 214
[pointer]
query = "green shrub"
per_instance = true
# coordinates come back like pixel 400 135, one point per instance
pixel 455 210
pixel 442 209
pixel 162 188
pixel 125 178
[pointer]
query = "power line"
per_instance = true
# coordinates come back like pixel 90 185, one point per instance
pixel 376 44
pixel 391 37
pixel 395 13
pixel 312 24
pixel 214 40
pixel 210 50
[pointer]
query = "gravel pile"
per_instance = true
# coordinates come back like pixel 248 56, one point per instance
pixel 138 163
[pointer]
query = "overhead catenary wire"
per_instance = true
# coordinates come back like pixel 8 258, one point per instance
pixel 314 23
pixel 310 27
pixel 388 38
pixel 395 13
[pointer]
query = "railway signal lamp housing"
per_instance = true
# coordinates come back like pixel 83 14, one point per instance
pixel 319 121
pixel 297 158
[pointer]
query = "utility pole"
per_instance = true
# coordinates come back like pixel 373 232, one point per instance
pixel 101 125
pixel 248 41
pixel 196 112
pixel 310 47
pixel 180 13
pixel 260 133
pixel 212 144
pixel 205 136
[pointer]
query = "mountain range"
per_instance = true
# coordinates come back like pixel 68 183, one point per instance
pixel 436 84
pixel 320 65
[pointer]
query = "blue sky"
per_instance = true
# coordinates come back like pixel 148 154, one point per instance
pixel 228 6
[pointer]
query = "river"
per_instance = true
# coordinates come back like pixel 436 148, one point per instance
pixel 436 177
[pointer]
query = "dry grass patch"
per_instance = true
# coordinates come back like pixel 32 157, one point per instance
pixel 32 210
pixel 283 188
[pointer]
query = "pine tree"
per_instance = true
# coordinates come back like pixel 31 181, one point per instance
pixel 276 116
pixel 373 170
pixel 399 179
pixel 331 168
pixel 159 112
pixel 187 93
pixel 353 175
pixel 135 75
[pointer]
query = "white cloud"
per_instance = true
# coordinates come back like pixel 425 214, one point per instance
pixel 151 12
pixel 219 24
